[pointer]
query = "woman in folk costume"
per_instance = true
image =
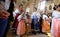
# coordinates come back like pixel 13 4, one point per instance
pixel 28 23
pixel 16 13
pixel 35 16
pixel 55 29
pixel 28 20
pixel 45 24
pixel 21 26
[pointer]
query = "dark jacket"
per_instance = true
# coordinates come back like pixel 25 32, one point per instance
pixel 10 10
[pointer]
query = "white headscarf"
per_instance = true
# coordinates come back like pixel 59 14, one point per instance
pixel 27 9
pixel 45 17
pixel 16 12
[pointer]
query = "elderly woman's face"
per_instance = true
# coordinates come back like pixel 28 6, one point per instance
pixel 58 8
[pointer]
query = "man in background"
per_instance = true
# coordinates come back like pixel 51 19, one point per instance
pixel 3 19
pixel 9 6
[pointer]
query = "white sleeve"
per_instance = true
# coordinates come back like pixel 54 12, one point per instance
pixel 17 11
pixel 52 14
pixel 27 9
pixel 45 17
pixel 14 14
pixel 38 15
pixel 19 17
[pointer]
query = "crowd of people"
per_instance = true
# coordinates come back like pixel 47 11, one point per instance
pixel 34 23
pixel 22 22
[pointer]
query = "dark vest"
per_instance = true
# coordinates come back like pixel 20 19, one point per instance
pixel 10 10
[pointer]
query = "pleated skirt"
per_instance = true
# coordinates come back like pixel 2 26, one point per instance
pixel 21 27
pixel 55 29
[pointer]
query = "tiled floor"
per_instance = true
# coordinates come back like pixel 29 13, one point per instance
pixel 39 35
pixel 10 34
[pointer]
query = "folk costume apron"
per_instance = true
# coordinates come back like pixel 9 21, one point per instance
pixel 28 25
pixel 36 25
pixel 21 27
pixel 45 24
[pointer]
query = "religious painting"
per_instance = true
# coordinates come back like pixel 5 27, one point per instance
pixel 50 7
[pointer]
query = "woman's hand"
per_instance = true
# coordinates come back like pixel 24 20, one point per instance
pixel 4 14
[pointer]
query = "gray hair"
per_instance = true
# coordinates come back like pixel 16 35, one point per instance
pixel 2 5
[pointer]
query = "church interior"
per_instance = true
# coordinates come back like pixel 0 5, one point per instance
pixel 29 6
